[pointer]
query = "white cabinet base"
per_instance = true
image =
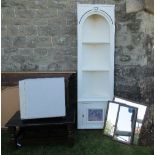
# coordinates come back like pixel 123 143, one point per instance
pixel 91 115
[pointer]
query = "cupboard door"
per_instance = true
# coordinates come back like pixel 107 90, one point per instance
pixel 91 115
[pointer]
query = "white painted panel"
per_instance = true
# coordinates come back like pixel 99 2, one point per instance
pixel 83 8
pixel 91 115
pixel 42 98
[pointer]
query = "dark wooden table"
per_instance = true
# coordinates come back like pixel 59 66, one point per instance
pixel 44 128
pixel 41 129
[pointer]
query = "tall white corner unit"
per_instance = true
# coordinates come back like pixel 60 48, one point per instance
pixel 96 31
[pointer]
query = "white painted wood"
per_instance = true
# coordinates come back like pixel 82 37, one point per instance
pixel 141 108
pixel 96 23
pixel 96 28
pixel 42 98
pixel 96 57
pixel 95 84
pixel 84 121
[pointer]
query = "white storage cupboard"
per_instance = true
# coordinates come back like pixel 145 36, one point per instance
pixel 42 98
pixel 96 31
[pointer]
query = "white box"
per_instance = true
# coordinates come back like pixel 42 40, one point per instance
pixel 42 98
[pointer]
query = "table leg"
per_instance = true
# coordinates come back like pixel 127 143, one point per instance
pixel 70 129
pixel 18 138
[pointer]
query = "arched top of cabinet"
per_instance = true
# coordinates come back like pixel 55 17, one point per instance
pixel 96 12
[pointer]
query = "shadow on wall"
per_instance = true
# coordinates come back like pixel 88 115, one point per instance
pixel 9 103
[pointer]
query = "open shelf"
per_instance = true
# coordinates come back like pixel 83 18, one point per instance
pixel 95 42
pixel 96 57
pixel 96 28
pixel 94 99
pixel 95 85
pixel 95 70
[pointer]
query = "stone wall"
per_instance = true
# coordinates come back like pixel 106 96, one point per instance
pixel 40 35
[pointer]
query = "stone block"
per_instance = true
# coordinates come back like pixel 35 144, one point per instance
pixel 22 21
pixel 56 21
pixel 43 42
pixel 46 13
pixel 32 4
pixel 11 50
pixel 19 58
pixel 29 66
pixel 12 30
pixel 149 5
pixel 147 24
pixel 125 58
pixel 127 87
pixel 8 12
pixel 134 26
pixel 57 4
pixel 26 51
pixel 3 3
pixel 128 72
pixel 3 30
pixel 31 41
pixel 6 41
pixel 30 30
pixel 24 4
pixel 41 52
pixel 2 51
pixel 130 47
pixel 38 41
pixel 11 67
pixel 49 30
pixel 27 30
pixel 54 66
pixel 40 21
pixel 21 30
pixel 5 59
pixel 7 21
pixel 147 72
pixel 43 67
pixel 146 89
pixel 125 39
pixel 134 5
pixel 20 42
pixel 25 13
pixel 15 3
pixel 40 4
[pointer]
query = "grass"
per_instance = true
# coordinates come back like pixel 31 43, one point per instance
pixel 86 143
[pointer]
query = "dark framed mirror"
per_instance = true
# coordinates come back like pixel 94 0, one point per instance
pixel 140 115
pixel 120 122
